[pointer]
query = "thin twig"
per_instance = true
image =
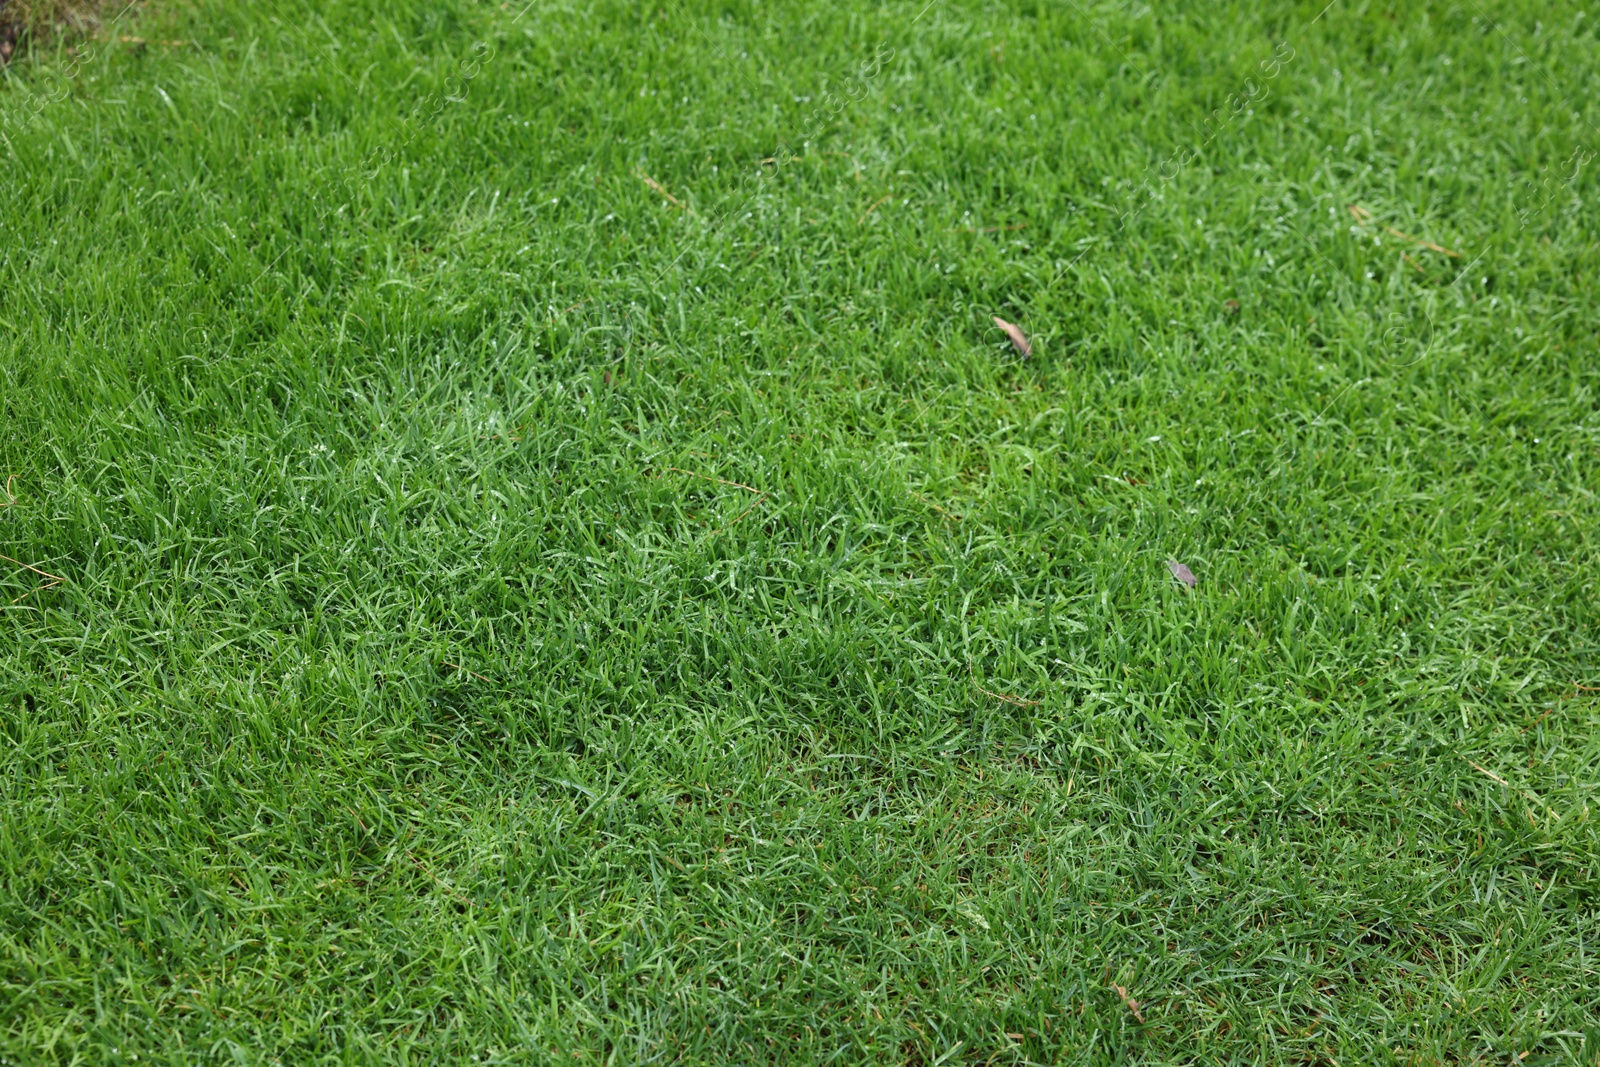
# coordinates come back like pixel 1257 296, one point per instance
pixel 475 674
pixel 1526 793
pixel 35 589
pixel 873 208
pixel 719 481
pixel 57 578
pixel 658 187
pixel 949 515
pixel 848 156
pixel 1007 697
pixel 741 514
pixel 1491 774
pixel 441 883
pixel 761 494
pixel 1429 245
pixel 1363 215
pixel 1539 720
pixel 988 229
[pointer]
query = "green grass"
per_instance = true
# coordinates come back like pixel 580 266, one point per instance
pixel 421 687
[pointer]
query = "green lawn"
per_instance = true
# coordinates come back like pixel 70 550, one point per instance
pixel 526 545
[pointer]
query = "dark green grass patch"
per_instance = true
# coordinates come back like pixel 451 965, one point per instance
pixel 536 550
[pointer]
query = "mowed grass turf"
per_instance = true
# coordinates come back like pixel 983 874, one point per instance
pixel 525 544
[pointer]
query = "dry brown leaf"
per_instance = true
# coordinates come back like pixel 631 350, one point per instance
pixel 1133 1005
pixel 1182 573
pixel 1018 339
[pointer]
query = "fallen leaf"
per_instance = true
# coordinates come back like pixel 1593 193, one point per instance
pixel 1133 1005
pixel 1232 306
pixel 1018 338
pixel 1182 573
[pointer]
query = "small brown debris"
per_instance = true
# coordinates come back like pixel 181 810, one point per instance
pixel 658 187
pixel 1231 306
pixel 1182 573
pixel 989 229
pixel 1007 697
pixel 1488 773
pixel 1133 1005
pixel 464 670
pixel 874 207
pixel 55 579
pixel 719 481
pixel 947 514
pixel 1361 214
pixel 1019 340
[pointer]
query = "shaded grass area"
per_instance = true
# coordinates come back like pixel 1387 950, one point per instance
pixel 22 21
pixel 513 609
